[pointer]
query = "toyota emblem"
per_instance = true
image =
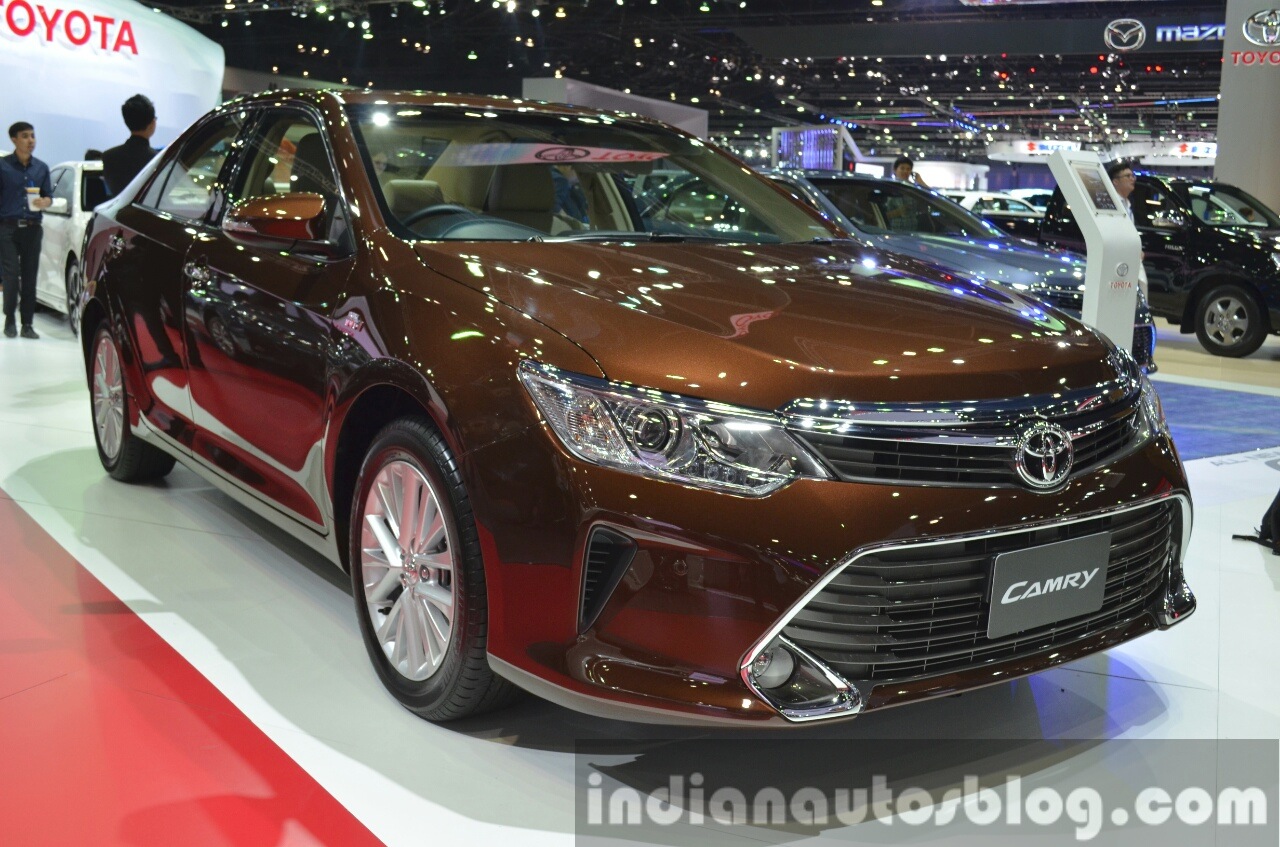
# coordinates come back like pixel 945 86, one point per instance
pixel 1125 35
pixel 1263 28
pixel 1044 455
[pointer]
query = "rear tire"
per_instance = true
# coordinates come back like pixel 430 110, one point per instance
pixel 74 287
pixel 124 456
pixel 1229 321
pixel 417 577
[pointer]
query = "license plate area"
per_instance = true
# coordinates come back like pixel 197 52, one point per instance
pixel 1052 582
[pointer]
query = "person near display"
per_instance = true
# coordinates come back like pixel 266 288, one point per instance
pixel 122 163
pixel 1124 180
pixel 904 170
pixel 24 192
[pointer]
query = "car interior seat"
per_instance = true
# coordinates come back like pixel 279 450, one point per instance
pixel 311 171
pixel 406 196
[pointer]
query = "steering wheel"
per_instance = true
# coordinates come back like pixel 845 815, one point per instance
pixel 433 210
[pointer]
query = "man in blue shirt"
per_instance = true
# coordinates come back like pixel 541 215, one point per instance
pixel 24 192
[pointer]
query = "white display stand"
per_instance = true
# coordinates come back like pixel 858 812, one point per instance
pixel 1114 248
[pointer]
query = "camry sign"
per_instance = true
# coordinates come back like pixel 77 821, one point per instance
pixel 1125 35
pixel 71 27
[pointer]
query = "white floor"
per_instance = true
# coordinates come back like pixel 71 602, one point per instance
pixel 272 627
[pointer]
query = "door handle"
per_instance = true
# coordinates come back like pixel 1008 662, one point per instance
pixel 197 272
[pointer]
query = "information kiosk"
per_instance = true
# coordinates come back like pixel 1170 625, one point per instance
pixel 1114 261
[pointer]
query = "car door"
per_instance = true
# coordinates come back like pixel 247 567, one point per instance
pixel 50 282
pixel 1166 233
pixel 258 322
pixel 148 250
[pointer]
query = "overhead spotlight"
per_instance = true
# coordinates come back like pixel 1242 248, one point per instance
pixel 560 12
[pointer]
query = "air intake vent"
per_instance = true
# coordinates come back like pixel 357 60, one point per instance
pixel 606 559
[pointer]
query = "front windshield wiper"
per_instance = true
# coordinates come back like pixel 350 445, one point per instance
pixel 619 235
pixel 830 241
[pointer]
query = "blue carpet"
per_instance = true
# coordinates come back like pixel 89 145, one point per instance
pixel 1215 422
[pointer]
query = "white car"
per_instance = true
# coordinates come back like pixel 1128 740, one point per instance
pixel 80 187
pixel 1009 213
pixel 1037 197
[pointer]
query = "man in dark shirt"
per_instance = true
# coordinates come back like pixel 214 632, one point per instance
pixel 24 192
pixel 121 164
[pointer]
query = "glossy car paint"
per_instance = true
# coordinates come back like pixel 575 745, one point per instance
pixel 1184 262
pixel 335 343
pixel 1054 275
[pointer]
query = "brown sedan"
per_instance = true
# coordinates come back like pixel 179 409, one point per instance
pixel 587 408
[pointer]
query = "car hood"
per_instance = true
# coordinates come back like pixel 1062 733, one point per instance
pixel 1007 261
pixel 762 325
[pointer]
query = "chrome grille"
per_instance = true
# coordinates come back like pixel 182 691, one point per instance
pixel 921 610
pixel 979 454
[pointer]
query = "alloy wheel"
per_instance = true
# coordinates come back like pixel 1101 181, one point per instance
pixel 108 397
pixel 408 569
pixel 1226 320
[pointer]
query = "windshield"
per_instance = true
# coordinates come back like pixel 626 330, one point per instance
pixel 1227 206
pixel 462 174
pixel 883 206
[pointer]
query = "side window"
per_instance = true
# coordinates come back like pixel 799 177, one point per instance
pixel 94 190
pixel 1059 222
pixel 287 154
pixel 1154 207
pixel 189 180
pixel 64 185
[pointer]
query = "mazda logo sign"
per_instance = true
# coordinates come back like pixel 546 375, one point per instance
pixel 1044 455
pixel 1263 28
pixel 1125 35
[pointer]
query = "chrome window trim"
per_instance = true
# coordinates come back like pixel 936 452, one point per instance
pixel 786 618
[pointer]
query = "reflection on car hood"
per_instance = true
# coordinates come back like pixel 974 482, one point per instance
pixel 761 325
pixel 1004 260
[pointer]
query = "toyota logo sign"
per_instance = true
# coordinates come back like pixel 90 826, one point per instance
pixel 1125 35
pixel 1044 455
pixel 1263 28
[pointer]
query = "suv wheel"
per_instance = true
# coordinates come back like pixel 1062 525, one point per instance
pixel 1229 321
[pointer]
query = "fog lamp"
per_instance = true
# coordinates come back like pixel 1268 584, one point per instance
pixel 773 667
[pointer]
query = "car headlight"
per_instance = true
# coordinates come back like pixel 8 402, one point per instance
pixel 666 436
pixel 1153 420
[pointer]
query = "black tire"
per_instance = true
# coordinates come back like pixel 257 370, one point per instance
pixel 1229 322
pixel 74 287
pixel 462 684
pixel 124 456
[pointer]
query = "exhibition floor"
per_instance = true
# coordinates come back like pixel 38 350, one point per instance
pixel 175 671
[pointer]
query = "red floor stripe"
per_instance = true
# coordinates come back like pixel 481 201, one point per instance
pixel 109 737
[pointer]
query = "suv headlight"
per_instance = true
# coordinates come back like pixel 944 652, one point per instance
pixel 665 436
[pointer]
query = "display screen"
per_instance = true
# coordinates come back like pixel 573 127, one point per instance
pixel 1095 186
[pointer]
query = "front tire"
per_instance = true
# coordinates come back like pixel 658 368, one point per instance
pixel 1229 321
pixel 417 577
pixel 124 456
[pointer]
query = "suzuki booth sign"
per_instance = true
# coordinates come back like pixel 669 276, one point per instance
pixel 69 64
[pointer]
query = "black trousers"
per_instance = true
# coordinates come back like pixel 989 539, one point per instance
pixel 19 261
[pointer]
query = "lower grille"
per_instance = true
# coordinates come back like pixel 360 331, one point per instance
pixel 605 560
pixel 918 611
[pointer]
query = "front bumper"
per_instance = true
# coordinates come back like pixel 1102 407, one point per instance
pixel 714 578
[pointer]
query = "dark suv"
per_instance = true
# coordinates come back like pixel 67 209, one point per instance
pixel 1212 258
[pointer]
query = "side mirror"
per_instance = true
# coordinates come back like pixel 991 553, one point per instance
pixel 285 221
pixel 58 205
